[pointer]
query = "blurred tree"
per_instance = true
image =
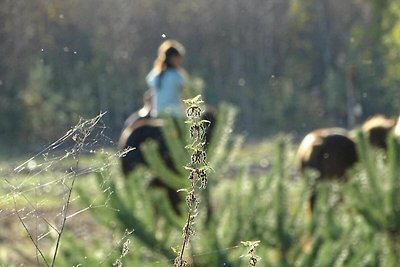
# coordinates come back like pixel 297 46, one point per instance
pixel 43 108
pixel 284 63
pixel 16 33
pixel 369 51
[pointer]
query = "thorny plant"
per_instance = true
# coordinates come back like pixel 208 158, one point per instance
pixel 251 252
pixel 78 134
pixel 198 168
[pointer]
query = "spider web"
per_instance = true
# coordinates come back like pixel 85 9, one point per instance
pixel 38 201
pixel 37 198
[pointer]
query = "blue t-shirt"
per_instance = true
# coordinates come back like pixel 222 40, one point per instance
pixel 167 91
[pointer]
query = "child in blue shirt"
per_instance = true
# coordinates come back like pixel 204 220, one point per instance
pixel 166 80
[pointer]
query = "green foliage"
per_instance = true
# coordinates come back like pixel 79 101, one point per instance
pixel 376 193
pixel 131 204
pixel 43 107
pixel 376 68
pixel 354 224
pixel 284 63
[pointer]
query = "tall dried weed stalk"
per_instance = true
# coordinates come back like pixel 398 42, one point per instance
pixel 198 168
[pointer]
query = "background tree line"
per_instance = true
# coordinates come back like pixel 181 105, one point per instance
pixel 289 65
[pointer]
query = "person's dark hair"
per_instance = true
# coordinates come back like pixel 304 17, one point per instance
pixel 166 51
pixel 170 53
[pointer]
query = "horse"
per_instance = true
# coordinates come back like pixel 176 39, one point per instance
pixel 377 129
pixel 330 151
pixel 146 128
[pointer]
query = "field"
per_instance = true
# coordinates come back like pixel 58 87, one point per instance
pixel 78 196
pixel 273 70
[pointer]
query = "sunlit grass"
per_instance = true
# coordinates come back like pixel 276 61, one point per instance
pixel 269 205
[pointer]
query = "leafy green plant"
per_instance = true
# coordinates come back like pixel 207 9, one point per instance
pixel 198 170
pixel 130 203
pixel 376 196
pixel 347 227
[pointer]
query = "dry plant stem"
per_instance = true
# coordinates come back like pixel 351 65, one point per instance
pixel 36 241
pixel 29 234
pixel 36 225
pixel 36 207
pixel 79 134
pixel 125 236
pixel 59 232
pixel 197 170
pixel 186 237
pixel 65 211
pixel 80 138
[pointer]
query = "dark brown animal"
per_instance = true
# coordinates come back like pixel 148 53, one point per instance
pixel 136 134
pixel 145 128
pixel 330 151
pixel 377 128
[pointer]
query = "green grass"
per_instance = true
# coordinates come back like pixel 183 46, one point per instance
pixel 350 226
pixel 42 189
pixel 38 193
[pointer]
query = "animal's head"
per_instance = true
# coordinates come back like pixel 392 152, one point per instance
pixel 377 129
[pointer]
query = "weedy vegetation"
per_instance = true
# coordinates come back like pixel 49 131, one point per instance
pixel 74 208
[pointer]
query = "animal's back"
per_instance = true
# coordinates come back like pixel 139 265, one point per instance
pixel 330 151
pixel 135 135
pixel 338 154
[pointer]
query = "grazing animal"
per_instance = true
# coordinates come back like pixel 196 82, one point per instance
pixel 145 128
pixel 330 151
pixel 378 128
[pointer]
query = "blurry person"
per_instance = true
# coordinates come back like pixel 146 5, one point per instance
pixel 166 80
